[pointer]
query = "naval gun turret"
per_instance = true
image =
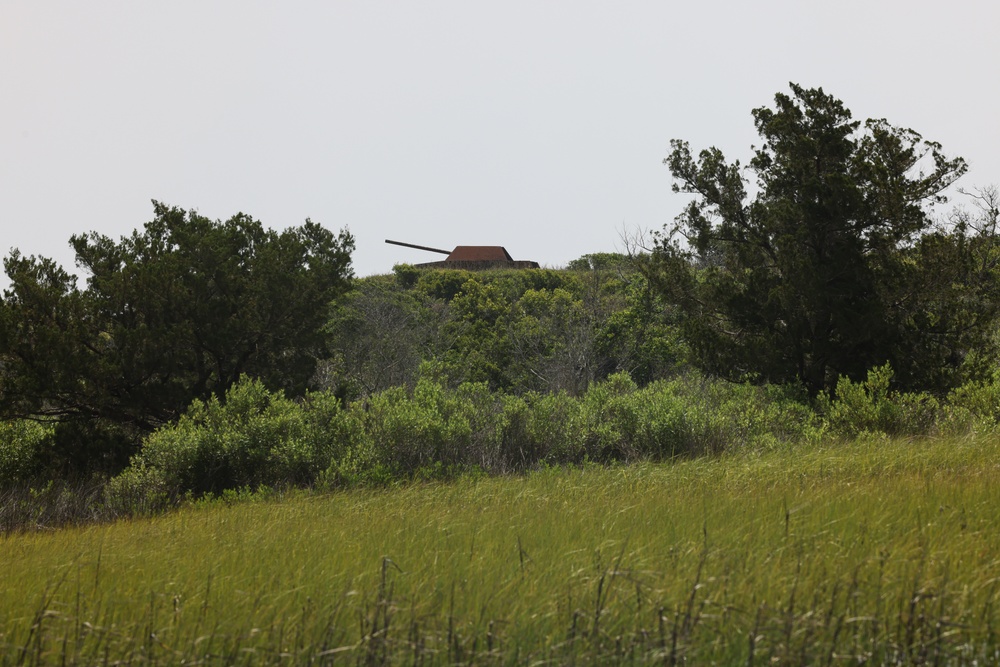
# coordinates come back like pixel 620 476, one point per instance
pixel 474 257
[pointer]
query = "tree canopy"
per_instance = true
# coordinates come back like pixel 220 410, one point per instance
pixel 820 258
pixel 176 311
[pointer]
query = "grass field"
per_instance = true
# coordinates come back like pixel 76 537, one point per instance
pixel 864 553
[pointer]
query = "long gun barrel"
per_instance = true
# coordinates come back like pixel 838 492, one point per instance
pixel 419 247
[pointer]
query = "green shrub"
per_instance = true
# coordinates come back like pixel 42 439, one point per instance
pixel 517 449
pixel 870 407
pixel 693 416
pixel 443 284
pixel 406 275
pixel 758 417
pixel 140 490
pixel 484 411
pixel 24 446
pixel 972 408
pixel 332 432
pixel 358 467
pixel 256 438
pixel 251 439
pixel 413 431
pixel 554 427
pixel 664 428
pixel 610 419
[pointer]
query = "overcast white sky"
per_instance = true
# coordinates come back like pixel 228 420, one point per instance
pixel 540 126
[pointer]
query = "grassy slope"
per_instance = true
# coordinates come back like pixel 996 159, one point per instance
pixel 880 551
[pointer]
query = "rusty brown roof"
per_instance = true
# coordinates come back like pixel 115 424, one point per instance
pixel 479 253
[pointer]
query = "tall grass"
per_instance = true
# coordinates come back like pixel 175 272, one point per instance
pixel 882 552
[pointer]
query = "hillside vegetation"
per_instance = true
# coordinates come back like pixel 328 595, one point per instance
pixel 827 257
pixel 768 435
pixel 257 439
pixel 817 294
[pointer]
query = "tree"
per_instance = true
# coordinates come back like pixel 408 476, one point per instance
pixel 812 276
pixel 177 311
pixel 379 334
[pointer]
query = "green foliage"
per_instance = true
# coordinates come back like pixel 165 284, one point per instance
pixel 406 275
pixel 498 440
pixel 610 419
pixel 444 284
pixel 551 339
pixel 410 433
pixel 829 269
pixel 141 490
pixel 599 261
pixel 24 447
pixel 85 448
pixel 640 335
pixel 518 331
pixel 254 438
pixel 177 311
pixel 554 427
pixel 477 325
pixel 435 431
pixel 871 407
pixel 973 408
pixel 378 335
pixel 952 282
pixel 979 398
pixel 690 416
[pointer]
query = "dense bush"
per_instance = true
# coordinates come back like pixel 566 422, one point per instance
pixel 871 407
pixel 413 431
pixel 256 438
pixel 691 416
pixel 517 331
pixel 253 438
pixel 23 448
pixel 36 453
pixel 973 407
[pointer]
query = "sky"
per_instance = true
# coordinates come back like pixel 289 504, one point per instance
pixel 537 125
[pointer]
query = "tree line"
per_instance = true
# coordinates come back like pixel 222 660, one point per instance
pixel 830 254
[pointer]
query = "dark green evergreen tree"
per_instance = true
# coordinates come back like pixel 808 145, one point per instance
pixel 177 311
pixel 808 271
